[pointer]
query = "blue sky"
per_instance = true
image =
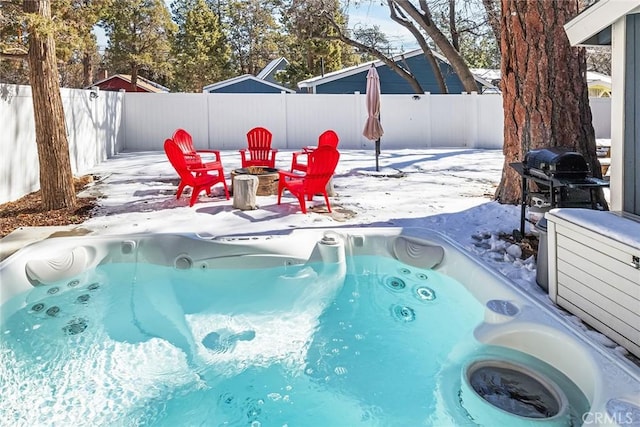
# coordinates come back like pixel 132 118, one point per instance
pixel 372 13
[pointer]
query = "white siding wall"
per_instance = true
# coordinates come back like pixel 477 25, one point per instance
pixel 601 116
pixel 116 121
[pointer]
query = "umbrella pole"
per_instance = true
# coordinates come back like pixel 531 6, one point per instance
pixel 378 146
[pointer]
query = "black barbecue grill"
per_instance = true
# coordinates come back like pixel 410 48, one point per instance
pixel 562 177
pixel 556 162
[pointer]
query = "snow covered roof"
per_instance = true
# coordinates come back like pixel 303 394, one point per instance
pixel 242 78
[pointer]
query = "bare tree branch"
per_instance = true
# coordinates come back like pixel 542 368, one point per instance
pixel 455 35
pixel 14 53
pixel 398 16
pixel 415 85
pixel 424 19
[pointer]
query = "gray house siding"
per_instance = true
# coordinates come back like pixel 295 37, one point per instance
pixel 247 86
pixel 632 117
pixel 392 83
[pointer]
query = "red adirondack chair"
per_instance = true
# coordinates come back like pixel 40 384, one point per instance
pixel 322 163
pixel 328 137
pixel 183 139
pixel 198 178
pixel 259 149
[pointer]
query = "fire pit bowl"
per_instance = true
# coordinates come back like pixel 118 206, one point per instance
pixel 267 179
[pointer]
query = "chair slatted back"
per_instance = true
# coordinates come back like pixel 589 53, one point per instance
pixel 184 141
pixel 259 143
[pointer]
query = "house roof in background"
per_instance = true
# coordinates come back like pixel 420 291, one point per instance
pixel 270 67
pixel 349 71
pixel 495 74
pixel 241 78
pixel 146 84
pixel 596 18
pixel 595 77
pixel 489 74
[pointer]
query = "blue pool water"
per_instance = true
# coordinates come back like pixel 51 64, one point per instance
pixel 141 344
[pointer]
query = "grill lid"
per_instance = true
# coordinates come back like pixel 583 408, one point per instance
pixel 556 162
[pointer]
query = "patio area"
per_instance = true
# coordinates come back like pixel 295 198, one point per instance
pixel 137 194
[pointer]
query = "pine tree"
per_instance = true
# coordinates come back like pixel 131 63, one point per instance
pixel 200 50
pixel 140 34
pixel 252 33
pixel 310 48
pixel 76 50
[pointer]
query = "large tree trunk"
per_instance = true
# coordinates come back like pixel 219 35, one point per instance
pixel 56 179
pixel 544 87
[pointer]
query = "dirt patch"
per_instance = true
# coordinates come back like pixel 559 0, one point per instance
pixel 338 213
pixel 27 211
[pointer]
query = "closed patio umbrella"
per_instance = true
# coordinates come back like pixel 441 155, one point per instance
pixel 372 128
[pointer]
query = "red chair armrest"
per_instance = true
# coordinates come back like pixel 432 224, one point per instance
pixel 217 165
pixel 199 170
pixel 285 174
pixel 299 153
pixel 243 157
pixel 216 153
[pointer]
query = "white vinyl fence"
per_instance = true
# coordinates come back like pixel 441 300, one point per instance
pixel 93 128
pixel 112 122
pixel 220 121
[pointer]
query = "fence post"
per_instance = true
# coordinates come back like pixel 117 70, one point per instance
pixel 358 123
pixel 284 123
pixel 429 121
pixel 471 101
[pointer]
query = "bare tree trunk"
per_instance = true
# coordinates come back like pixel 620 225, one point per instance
pixel 456 61
pixel 87 70
pixel 492 7
pixel 56 179
pixel 544 88
pixel 455 36
pixel 398 16
pixel 134 78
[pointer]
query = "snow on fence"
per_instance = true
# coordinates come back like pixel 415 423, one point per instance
pixel 102 126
